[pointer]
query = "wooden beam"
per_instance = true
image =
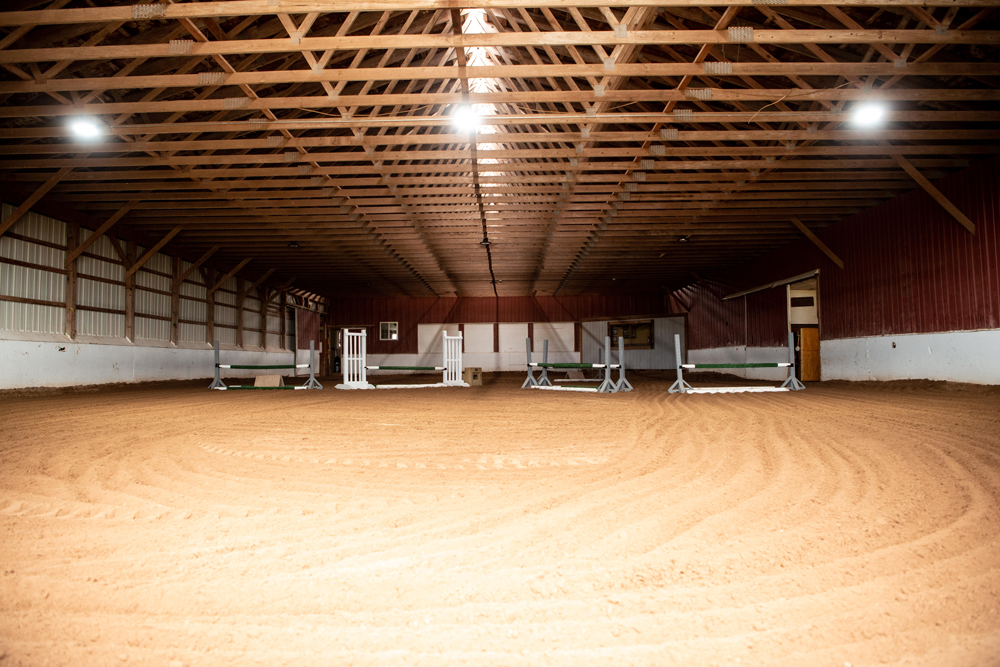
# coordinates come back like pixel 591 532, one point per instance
pixel 175 302
pixel 503 40
pixel 209 275
pixel 229 275
pixel 152 251
pixel 194 267
pixel 243 294
pixel 33 199
pixel 220 10
pixel 99 232
pixel 817 242
pixel 72 238
pixel 130 292
pixel 935 193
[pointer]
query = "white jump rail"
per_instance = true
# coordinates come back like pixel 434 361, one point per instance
pixel 607 386
pixel 355 367
pixel 681 386
pixel 311 383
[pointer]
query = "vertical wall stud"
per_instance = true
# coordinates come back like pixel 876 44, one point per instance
pixel 239 311
pixel 175 302
pixel 72 240
pixel 209 275
pixel 130 254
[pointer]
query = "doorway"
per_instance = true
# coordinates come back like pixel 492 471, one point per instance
pixel 803 321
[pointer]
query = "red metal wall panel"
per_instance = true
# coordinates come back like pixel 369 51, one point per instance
pixel 909 268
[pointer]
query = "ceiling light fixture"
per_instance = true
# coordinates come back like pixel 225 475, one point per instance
pixel 86 128
pixel 464 118
pixel 293 244
pixel 869 114
pixel 685 238
pixel 486 242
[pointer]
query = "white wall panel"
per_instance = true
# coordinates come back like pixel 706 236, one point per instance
pixel 108 325
pixel 152 303
pixel 191 333
pixel 31 319
pixel 560 335
pixel 478 338
pixel 150 329
pixel 28 283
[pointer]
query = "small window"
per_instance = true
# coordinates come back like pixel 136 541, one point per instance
pixel 637 335
pixel 389 331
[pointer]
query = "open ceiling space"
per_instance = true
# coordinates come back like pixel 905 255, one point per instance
pixel 421 148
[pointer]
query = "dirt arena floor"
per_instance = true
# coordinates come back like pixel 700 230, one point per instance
pixel 170 525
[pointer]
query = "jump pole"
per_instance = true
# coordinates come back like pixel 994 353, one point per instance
pixel 311 383
pixel 607 385
pixel 790 384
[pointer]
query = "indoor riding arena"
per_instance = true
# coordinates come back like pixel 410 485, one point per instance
pixel 499 332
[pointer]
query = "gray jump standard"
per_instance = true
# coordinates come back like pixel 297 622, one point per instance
pixel 312 383
pixel 607 386
pixel 791 384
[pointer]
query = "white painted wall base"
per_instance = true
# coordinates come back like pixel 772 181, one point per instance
pixel 956 356
pixel 26 364
pixel 741 354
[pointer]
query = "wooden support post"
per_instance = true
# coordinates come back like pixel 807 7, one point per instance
pixel 33 199
pixel 130 254
pixel 99 232
pixel 209 275
pixel 815 239
pixel 72 241
pixel 239 311
pixel 281 313
pixel 152 251
pixel 261 291
pixel 175 303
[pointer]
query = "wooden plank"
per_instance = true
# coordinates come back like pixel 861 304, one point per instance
pixel 229 275
pixel 131 251
pixel 152 251
pixel 72 239
pixel 935 193
pixel 817 242
pixel 33 199
pixel 209 275
pixel 194 267
pixel 221 10
pixel 809 354
pixel 175 301
pixel 100 231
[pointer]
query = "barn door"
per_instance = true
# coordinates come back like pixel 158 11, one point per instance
pixel 809 349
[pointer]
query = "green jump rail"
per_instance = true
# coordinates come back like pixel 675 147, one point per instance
pixel 250 386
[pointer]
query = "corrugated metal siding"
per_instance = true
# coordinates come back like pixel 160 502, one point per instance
pixel 767 318
pixel 29 283
pixel 154 275
pixel 909 268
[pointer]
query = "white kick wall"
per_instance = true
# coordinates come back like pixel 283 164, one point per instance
pixel 956 356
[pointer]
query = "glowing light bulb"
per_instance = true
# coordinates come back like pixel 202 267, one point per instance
pixel 869 115
pixel 465 118
pixel 85 128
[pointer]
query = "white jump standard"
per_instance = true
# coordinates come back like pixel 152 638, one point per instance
pixel 607 386
pixel 312 383
pixel 682 387
pixel 355 366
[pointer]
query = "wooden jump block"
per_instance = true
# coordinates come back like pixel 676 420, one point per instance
pixel 269 381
